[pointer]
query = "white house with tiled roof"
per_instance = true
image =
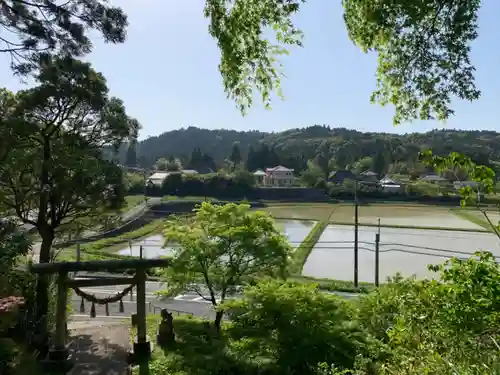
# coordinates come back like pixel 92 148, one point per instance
pixel 279 176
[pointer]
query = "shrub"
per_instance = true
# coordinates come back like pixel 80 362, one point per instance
pixel 447 327
pixel 296 327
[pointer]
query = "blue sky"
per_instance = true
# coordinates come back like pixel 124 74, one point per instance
pixel 167 74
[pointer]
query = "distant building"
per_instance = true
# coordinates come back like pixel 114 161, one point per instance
pixel 157 178
pixel 259 176
pixel 279 176
pixel 188 172
pixel 368 176
pixel 460 184
pixel 390 185
pixel 433 178
pixel 339 177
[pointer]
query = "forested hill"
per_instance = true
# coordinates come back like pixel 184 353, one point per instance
pixel 344 146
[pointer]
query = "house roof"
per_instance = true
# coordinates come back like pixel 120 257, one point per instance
pixel 432 177
pixel 259 172
pixel 189 171
pixel 159 176
pixel 466 183
pixel 279 168
pixel 342 174
pixel 388 179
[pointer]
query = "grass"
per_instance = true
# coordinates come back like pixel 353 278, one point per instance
pixel 473 218
pixel 333 285
pixel 168 198
pixel 131 201
pixel 301 253
pixel 198 350
pixel 106 248
pixel 310 211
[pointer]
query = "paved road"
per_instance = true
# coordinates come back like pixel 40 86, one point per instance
pixel 190 303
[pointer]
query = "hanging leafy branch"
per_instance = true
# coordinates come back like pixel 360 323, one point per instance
pixel 249 60
pixel 33 30
pixel 423 50
pixel 481 174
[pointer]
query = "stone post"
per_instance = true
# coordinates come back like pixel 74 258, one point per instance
pixel 58 355
pixel 142 348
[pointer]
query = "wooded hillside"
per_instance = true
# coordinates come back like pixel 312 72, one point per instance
pixel 340 147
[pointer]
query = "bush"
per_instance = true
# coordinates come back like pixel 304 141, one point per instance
pixel 213 185
pixel 295 327
pixel 448 327
pixel 134 183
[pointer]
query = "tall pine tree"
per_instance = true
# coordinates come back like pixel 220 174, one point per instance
pixel 131 158
pixel 235 157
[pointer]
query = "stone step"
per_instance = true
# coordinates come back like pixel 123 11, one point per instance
pixel 99 348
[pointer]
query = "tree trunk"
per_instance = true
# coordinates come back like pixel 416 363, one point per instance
pixel 218 320
pixel 42 295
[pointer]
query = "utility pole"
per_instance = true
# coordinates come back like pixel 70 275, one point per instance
pixel 356 224
pixel 377 254
pixel 146 186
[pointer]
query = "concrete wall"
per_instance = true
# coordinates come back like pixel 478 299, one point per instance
pixel 296 194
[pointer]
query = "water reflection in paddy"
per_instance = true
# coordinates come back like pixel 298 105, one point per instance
pixel 295 230
pixel 408 251
pixel 152 246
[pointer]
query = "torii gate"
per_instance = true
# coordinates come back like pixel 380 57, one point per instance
pixel 58 354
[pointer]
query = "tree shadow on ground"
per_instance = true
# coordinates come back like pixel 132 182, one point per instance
pixel 92 355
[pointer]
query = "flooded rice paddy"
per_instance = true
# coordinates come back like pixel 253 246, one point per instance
pixel 153 246
pixel 407 251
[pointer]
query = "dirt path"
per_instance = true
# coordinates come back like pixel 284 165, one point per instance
pixel 99 349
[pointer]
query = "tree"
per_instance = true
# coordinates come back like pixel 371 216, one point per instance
pixel 322 159
pixel 423 49
pixel 208 163
pixel 423 52
pixel 484 177
pixel 248 59
pixel 34 30
pixel 363 164
pixel 312 174
pixel 196 159
pixel 132 154
pixel 457 314
pixel 173 166
pixel 161 164
pixel 235 157
pixel 54 174
pixel 297 325
pixel 379 163
pixel 221 248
